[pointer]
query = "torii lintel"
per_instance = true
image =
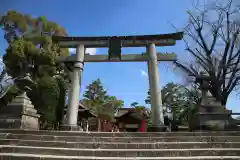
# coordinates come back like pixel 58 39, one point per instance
pixel 126 41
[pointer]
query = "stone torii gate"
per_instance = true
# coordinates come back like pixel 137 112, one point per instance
pixel 114 44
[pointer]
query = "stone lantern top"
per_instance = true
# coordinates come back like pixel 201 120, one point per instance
pixel 204 81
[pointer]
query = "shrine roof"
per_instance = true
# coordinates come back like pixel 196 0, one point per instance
pixel 83 111
pixel 126 111
pixel 122 111
pixel 80 106
pixel 127 41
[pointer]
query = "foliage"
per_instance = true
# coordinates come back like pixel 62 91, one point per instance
pixel 137 106
pixel 12 92
pixel 213 35
pixel 114 103
pixel 45 99
pixel 95 92
pixel 63 85
pixel 134 104
pixel 30 43
pixel 140 107
pixel 97 99
pixel 178 100
pixel 16 24
pixel 190 104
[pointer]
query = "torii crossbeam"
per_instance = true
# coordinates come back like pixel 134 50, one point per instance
pixel 124 58
pixel 115 43
pixel 127 41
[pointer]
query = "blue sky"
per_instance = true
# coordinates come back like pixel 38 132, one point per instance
pixel 127 81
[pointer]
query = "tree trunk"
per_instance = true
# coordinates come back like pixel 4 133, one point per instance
pixel 219 96
pixel 224 100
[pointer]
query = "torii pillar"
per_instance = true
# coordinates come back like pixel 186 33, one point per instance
pixel 155 91
pixel 73 101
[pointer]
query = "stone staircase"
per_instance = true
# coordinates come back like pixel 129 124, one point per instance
pixel 54 145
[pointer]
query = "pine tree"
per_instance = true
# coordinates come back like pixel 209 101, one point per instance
pixel 99 102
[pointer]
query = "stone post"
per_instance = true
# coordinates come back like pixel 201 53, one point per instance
pixel 155 91
pixel 73 101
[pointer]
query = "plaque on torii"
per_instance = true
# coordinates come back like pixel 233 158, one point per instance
pixel 114 48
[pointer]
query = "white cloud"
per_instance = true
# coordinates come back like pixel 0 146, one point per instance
pixel 143 73
pixel 91 51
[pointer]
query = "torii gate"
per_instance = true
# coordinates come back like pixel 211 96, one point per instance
pixel 114 44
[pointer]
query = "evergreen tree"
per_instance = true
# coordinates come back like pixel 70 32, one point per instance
pixel 95 92
pixel 99 102
pixel 29 43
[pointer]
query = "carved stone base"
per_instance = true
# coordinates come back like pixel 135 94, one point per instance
pixel 211 121
pixel 159 128
pixel 20 113
pixel 211 116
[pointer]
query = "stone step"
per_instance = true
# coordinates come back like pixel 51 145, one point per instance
pixel 121 152
pixel 118 145
pixel 123 139
pixel 17 156
pixel 121 134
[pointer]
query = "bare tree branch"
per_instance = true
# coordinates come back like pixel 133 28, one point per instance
pixel 217 53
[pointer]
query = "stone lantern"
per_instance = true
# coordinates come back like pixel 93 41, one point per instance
pixel 20 113
pixel 211 115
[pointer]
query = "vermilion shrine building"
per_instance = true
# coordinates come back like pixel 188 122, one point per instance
pixel 126 119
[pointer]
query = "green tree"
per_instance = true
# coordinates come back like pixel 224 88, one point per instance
pixel 134 104
pixel 30 43
pixel 137 106
pixel 47 94
pixel 16 25
pixel 140 107
pixel 115 103
pixel 96 92
pixel 104 106
pixel 178 100
pixel 63 86
pixel 190 102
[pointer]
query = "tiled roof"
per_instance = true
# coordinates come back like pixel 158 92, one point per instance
pixel 123 111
